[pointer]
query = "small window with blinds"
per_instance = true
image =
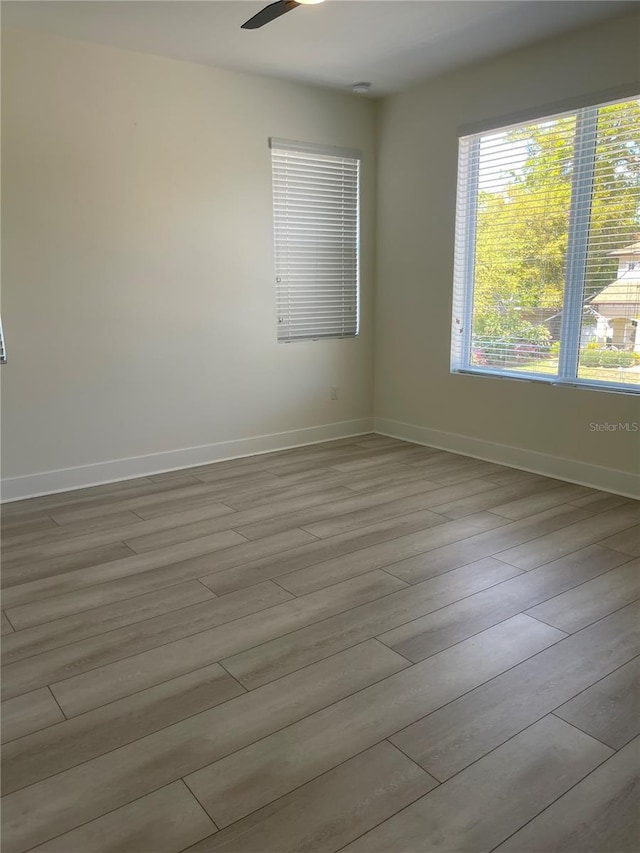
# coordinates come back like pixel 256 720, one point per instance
pixel 316 225
pixel 547 250
pixel 3 351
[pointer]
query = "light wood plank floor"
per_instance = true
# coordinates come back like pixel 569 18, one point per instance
pixel 362 645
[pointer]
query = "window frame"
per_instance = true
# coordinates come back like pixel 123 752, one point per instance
pixel 584 147
pixel 351 159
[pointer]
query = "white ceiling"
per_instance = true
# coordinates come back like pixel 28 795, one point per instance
pixel 392 43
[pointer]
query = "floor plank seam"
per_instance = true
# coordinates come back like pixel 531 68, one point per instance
pixel 275 581
pixel 603 617
pixel 318 565
pixel 457 600
pixel 318 776
pixel 481 631
pixel 543 622
pixel 232 676
pixel 584 732
pixel 394 815
pixel 58 704
pixel 195 797
pixel 412 760
pixel 97 607
pixel 386 571
pixel 8 618
pixel 74 499
pixel 555 800
pixel 577 586
pixel 555 558
pixel 140 622
pixel 408 660
pixel 306 530
pixel 593 684
pixel 483 684
pixel 618 550
pixel 91 820
pixel 510 738
pixel 34 732
pixel 284 553
pixel 17 565
pixel 197 580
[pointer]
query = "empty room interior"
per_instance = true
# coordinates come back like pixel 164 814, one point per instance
pixel 320 363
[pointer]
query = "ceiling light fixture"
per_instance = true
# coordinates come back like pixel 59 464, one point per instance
pixel 360 88
pixel 274 10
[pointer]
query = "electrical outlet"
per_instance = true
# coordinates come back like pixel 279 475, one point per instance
pixel 334 392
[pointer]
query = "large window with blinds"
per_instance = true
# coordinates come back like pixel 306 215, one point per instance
pixel 547 250
pixel 316 225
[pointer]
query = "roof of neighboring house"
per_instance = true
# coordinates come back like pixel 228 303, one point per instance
pixel 623 291
pixel 633 249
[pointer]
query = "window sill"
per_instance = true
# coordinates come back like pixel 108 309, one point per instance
pixel 554 381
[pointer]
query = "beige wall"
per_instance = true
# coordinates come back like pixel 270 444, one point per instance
pixel 138 286
pixel 417 152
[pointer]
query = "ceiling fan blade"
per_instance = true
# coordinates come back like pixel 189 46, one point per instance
pixel 269 13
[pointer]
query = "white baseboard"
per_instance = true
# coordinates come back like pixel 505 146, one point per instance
pixel 83 476
pixel 67 479
pixel 583 473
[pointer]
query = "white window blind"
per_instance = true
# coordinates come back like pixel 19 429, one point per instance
pixel 316 224
pixel 3 351
pixel 547 252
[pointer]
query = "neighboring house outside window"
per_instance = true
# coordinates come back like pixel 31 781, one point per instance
pixel 547 259
pixel 316 230
pixel 619 302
